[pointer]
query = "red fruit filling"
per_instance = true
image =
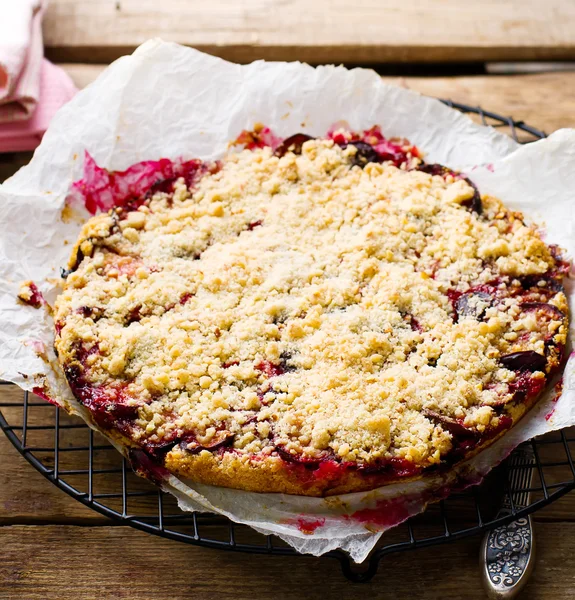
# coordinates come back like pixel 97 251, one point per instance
pixel 40 392
pixel 373 146
pixel 270 369
pixel 101 190
pixel 327 468
pixel 413 322
pixel 185 297
pixel 36 300
pixel 147 467
pixel 254 224
pixel 108 404
pixel 258 138
pixel 462 445
pixel 525 387
pixel 455 427
pixel 231 363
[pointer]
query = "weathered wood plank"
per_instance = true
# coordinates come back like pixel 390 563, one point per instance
pixel 367 31
pixel 544 100
pixel 81 563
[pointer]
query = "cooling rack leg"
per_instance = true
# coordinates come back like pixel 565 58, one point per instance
pixel 361 573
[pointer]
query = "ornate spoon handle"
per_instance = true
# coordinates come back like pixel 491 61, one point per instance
pixel 508 552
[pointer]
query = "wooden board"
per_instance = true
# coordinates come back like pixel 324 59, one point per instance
pixel 110 563
pixel 364 31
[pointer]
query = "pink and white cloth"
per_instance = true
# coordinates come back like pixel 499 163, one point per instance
pixel 31 88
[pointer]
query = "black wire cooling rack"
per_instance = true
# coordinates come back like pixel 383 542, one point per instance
pixel 83 464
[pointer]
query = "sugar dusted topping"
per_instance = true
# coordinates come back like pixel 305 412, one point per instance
pixel 307 306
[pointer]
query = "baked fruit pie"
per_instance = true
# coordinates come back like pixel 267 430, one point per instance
pixel 316 317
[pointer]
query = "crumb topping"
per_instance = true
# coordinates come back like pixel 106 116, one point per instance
pixel 311 305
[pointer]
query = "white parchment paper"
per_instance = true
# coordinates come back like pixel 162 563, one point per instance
pixel 169 101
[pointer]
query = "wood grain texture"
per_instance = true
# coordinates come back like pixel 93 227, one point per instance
pixel 83 563
pixel 543 100
pixel 365 31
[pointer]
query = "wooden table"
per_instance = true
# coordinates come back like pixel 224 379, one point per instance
pixel 53 547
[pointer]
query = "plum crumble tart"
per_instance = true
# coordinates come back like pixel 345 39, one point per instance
pixel 313 317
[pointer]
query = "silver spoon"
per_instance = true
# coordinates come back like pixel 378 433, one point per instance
pixel 507 553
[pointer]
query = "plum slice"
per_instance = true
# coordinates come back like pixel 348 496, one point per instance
pixel 391 468
pixel 474 203
pixel 525 387
pixel 435 169
pixel 545 315
pixel 365 154
pixel 527 360
pixel 221 439
pixel 187 441
pixel 551 285
pixel 299 459
pixel 472 304
pixel 454 427
pixel 293 144
pixel 550 311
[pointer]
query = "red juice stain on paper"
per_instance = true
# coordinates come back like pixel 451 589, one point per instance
pixel 386 513
pixel 260 137
pixel 307 525
pixel 41 393
pixel 38 346
pixel 558 392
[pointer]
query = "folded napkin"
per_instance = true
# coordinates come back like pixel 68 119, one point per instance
pixel 31 88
